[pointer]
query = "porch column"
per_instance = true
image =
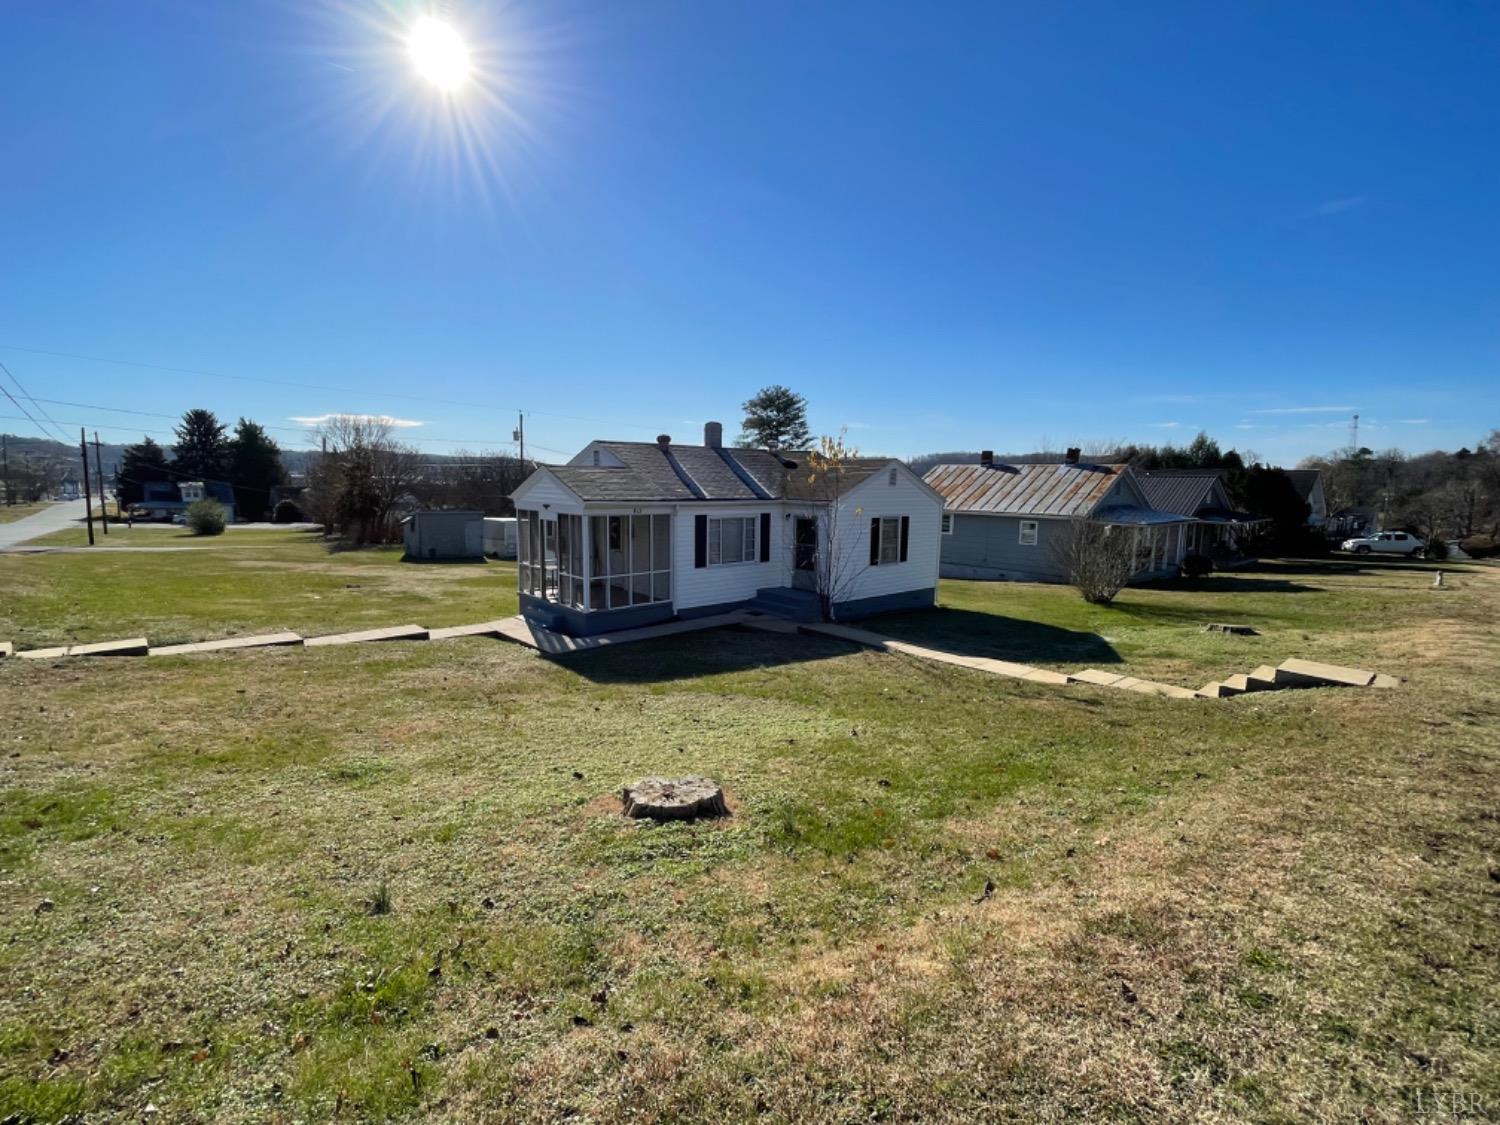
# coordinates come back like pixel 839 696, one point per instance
pixel 585 546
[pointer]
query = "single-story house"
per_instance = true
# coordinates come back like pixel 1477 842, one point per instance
pixel 443 535
pixel 1005 521
pixel 499 537
pixel 1309 486
pixel 162 499
pixel 1216 529
pixel 633 533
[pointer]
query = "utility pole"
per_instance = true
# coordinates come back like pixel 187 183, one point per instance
pixel 99 466
pixel 88 503
pixel 520 434
pixel 5 461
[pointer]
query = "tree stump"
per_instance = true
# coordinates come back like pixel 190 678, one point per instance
pixel 674 798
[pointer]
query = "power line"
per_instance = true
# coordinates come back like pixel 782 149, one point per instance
pixel 301 385
pixel 26 395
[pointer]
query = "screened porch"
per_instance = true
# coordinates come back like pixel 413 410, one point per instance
pixel 594 563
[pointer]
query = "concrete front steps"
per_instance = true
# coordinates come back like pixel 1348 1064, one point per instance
pixel 1296 673
pixel 789 605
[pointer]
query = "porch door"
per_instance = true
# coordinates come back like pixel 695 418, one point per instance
pixel 805 553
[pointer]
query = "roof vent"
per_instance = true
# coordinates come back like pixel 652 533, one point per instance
pixel 664 440
pixel 713 435
pixel 987 458
pixel 1072 455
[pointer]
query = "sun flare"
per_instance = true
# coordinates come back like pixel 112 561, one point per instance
pixel 439 53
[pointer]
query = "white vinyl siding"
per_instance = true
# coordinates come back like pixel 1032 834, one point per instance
pixel 876 499
pixel 696 586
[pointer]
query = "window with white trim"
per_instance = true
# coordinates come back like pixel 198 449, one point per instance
pixel 732 540
pixel 1028 533
pixel 890 540
pixel 947 523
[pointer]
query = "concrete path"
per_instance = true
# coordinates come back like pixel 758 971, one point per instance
pixel 60 516
pixel 524 632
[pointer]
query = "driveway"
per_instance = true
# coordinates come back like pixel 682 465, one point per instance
pixel 56 518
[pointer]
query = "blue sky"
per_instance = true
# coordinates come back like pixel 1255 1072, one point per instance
pixel 949 226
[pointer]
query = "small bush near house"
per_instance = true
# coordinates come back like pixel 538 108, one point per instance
pixel 287 512
pixel 206 517
pixel 1196 566
pixel 1098 559
pixel 1436 549
pixel 1480 546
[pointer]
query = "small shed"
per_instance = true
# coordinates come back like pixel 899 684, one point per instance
pixel 500 537
pixel 443 535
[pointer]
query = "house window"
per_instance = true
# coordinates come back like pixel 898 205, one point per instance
pixel 885 540
pixel 596 458
pixel 1028 533
pixel 731 540
pixel 947 523
pixel 891 480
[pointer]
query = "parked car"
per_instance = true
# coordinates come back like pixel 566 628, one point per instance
pixel 1386 543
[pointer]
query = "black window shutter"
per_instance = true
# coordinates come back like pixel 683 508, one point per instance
pixel 765 537
pixel 700 542
pixel 875 542
pixel 905 529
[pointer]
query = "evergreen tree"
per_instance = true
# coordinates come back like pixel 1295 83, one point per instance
pixel 255 468
pixel 201 451
pixel 140 465
pixel 776 418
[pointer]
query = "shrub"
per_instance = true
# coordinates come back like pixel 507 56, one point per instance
pixel 1196 566
pixel 206 517
pixel 1436 549
pixel 1480 546
pixel 287 512
pixel 1098 559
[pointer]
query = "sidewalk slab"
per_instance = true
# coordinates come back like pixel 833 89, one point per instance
pixel 43 653
pixel 1097 678
pixel 393 633
pixel 544 640
pixel 1263 678
pixel 265 640
pixel 1216 691
pixel 131 646
pixel 1313 673
pixel 482 629
pixel 1166 691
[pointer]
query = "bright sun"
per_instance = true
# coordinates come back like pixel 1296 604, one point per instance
pixel 439 53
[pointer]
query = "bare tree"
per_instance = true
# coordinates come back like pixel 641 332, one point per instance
pixel 1099 558
pixel 365 475
pixel 479 481
pixel 822 480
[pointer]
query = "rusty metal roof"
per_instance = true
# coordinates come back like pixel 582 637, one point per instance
pixel 1184 491
pixel 1056 489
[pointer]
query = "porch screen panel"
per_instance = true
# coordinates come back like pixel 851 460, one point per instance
pixel 598 562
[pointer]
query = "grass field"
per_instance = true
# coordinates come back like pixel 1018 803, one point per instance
pixel 392 881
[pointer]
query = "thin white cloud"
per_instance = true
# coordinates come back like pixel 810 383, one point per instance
pixel 1307 410
pixel 1165 425
pixel 382 419
pixel 1416 421
pixel 1338 206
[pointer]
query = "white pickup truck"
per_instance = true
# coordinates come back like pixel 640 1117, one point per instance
pixel 1386 543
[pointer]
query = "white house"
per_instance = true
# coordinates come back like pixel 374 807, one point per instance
pixel 632 533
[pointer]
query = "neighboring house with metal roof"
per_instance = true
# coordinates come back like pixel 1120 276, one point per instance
pixel 1217 529
pixel 633 533
pixel 1005 521
pixel 1309 486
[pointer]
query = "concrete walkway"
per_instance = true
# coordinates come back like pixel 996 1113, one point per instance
pixel 59 517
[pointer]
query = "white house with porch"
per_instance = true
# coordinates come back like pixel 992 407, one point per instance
pixel 634 533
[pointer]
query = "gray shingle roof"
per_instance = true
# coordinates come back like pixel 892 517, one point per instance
pixel 1056 489
pixel 656 474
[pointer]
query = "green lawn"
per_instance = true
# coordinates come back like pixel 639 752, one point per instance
pixel 240 582
pixel 942 895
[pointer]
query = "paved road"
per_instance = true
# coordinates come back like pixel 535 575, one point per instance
pixel 45 522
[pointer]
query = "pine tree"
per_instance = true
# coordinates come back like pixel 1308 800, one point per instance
pixel 254 469
pixel 776 418
pixel 201 451
pixel 139 465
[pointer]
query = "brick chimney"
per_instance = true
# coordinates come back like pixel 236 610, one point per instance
pixel 713 435
pixel 987 458
pixel 1071 457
